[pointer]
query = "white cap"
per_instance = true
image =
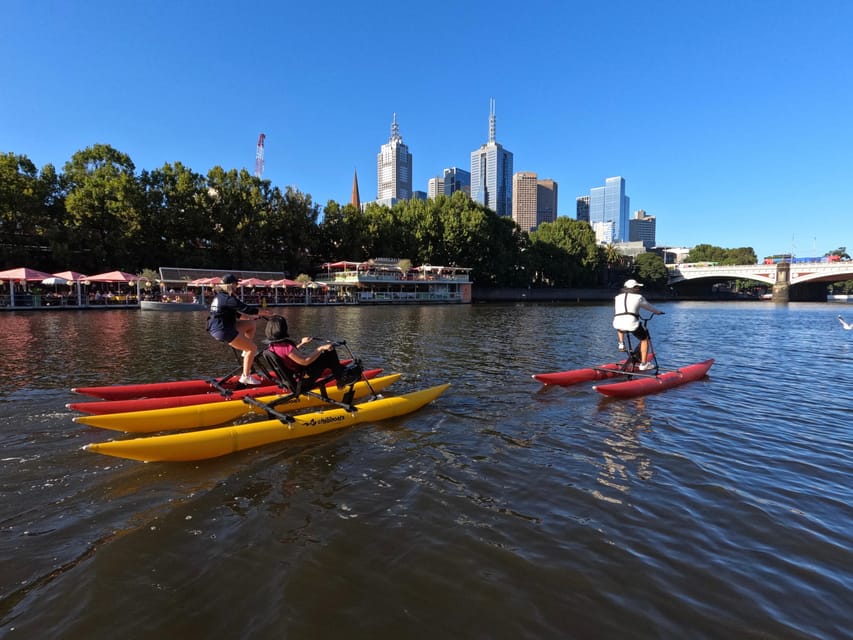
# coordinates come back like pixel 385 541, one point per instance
pixel 632 284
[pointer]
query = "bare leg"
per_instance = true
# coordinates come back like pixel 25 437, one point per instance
pixel 246 343
pixel 644 349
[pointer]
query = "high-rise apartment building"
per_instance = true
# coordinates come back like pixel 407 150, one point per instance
pixel 491 173
pixel 456 179
pixel 642 228
pixel 546 201
pixel 610 204
pixel 393 169
pixel 435 187
pixel 524 200
pixel 582 208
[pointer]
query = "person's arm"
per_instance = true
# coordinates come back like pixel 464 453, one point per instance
pixel 304 361
pixel 645 305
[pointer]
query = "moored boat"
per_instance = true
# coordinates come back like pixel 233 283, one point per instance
pixel 159 305
pixel 648 384
pixel 211 443
pixel 208 415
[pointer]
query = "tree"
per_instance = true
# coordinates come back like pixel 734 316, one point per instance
pixel 565 253
pixel 103 205
pixel 651 270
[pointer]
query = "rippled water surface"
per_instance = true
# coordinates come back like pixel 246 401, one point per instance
pixel 720 509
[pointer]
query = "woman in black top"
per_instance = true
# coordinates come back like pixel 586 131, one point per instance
pixel 225 324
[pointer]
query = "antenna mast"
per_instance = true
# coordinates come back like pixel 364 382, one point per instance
pixel 259 157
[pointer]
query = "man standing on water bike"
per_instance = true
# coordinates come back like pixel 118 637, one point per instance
pixel 626 318
pixel 224 325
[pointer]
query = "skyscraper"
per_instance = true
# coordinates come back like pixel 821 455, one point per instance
pixel 435 187
pixel 524 188
pixel 456 179
pixel 491 173
pixel 642 227
pixel 546 201
pixel 610 204
pixel 393 169
pixel 582 211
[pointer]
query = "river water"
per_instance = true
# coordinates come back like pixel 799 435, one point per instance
pixel 720 509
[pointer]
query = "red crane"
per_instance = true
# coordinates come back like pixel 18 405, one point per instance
pixel 259 157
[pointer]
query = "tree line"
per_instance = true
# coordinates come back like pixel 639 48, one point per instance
pixel 99 214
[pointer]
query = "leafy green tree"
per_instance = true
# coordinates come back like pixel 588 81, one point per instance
pixel 173 221
pixel 103 205
pixel 565 253
pixel 651 270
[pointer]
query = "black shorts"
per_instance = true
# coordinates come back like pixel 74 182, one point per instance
pixel 225 335
pixel 640 332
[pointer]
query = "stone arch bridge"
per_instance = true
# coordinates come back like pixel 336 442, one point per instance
pixel 789 281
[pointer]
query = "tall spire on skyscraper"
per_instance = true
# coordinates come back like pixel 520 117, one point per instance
pixel 395 131
pixel 355 200
pixel 492 121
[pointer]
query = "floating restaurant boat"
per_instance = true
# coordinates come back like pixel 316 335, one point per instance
pixel 392 281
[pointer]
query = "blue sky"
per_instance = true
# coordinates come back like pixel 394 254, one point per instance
pixel 729 120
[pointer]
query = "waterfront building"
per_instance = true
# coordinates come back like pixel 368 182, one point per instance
pixel 393 169
pixel 392 281
pixel 524 190
pixel 546 201
pixel 582 208
pixel 491 173
pixel 456 179
pixel 642 228
pixel 610 204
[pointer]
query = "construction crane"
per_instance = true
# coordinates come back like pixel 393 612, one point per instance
pixel 259 157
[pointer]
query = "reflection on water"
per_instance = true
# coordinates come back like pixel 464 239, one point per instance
pixel 692 513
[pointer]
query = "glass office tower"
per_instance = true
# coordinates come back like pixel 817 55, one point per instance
pixel 491 173
pixel 610 204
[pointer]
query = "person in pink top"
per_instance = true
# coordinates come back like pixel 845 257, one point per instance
pixel 312 363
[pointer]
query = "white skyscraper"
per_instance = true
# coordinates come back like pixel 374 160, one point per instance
pixel 393 169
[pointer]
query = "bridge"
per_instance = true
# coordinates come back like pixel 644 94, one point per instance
pixel 807 279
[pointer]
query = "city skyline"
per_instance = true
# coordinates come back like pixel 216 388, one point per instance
pixel 731 124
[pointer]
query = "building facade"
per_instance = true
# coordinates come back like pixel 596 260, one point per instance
pixel 582 208
pixel 641 228
pixel 491 173
pixel 546 201
pixel 393 169
pixel 610 204
pixel 456 179
pixel 524 200
pixel 435 187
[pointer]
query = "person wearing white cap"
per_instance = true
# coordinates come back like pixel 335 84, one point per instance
pixel 626 319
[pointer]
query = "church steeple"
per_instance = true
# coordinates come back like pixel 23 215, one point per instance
pixel 355 199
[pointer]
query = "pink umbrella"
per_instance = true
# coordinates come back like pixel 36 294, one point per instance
pixel 73 276
pixel 113 276
pixel 284 282
pixel 19 274
pixel 254 282
pixel 23 273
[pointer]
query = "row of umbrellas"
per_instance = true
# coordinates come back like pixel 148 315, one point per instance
pixel 251 282
pixel 25 274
